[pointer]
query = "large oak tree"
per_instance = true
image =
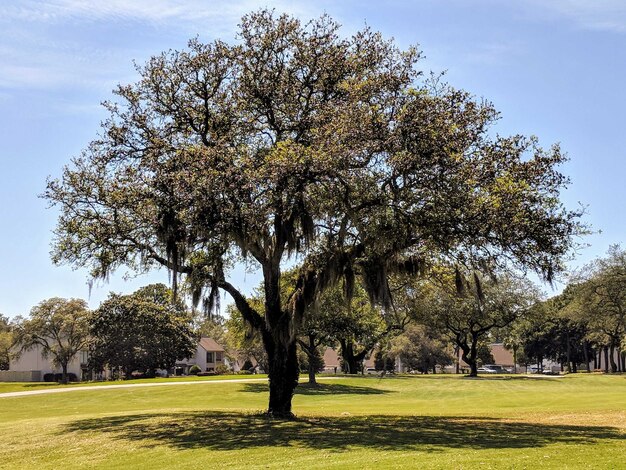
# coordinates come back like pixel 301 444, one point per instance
pixel 298 141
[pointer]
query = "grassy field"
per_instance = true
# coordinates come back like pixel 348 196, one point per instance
pixel 446 422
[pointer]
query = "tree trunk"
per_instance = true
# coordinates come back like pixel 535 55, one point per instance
pixel 349 358
pixel 473 369
pixel 469 356
pixel 606 359
pixel 586 354
pixel 515 359
pixel 280 345
pixel 312 379
pixel 569 352
pixel 612 358
pixel 64 374
pixel 311 352
pixel 283 376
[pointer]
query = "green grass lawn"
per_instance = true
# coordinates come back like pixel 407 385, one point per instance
pixel 446 422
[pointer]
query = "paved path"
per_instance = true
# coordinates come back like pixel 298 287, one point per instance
pixel 153 384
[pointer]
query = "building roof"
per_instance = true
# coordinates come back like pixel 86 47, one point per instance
pixel 209 344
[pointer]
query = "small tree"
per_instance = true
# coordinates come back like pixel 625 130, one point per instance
pixel 60 327
pixel 144 331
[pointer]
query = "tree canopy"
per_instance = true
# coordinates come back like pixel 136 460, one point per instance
pixel 469 311
pixel 298 141
pixel 59 327
pixel 143 331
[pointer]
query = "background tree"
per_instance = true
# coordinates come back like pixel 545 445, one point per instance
pixel 468 311
pixel 6 341
pixel 422 349
pixel 144 331
pixel 298 141
pixel 359 327
pixel 483 352
pixel 60 327
pixel 244 339
pixel 312 362
pixel 601 297
pixel 211 327
pixel 316 331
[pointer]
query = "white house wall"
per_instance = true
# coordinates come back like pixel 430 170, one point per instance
pixel 32 359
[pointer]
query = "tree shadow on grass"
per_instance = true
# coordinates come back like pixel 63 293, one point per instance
pixel 232 431
pixel 319 389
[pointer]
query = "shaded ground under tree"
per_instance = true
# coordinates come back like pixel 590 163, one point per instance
pixel 233 431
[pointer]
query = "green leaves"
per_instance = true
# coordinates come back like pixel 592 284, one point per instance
pixel 59 326
pixel 144 331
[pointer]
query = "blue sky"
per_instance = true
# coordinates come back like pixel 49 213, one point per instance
pixel 554 69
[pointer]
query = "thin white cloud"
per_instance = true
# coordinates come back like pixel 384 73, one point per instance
pixel 39 61
pixel 597 15
pixel 43 44
pixel 192 12
pixel 493 53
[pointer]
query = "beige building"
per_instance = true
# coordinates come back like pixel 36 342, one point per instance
pixel 31 366
pixel 209 355
pixel 33 362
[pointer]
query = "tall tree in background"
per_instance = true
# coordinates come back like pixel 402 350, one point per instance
pixel 143 331
pixel 60 327
pixel 296 141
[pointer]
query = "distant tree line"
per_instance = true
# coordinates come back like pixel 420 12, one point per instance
pixel 585 324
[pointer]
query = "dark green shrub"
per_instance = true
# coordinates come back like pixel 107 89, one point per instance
pixel 221 369
pixel 194 370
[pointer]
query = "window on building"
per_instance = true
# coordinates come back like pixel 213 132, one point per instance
pixel 218 356
pixel 209 356
pixel 84 357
